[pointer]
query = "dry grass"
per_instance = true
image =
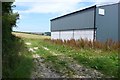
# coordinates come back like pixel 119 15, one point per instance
pixel 30 36
pixel 107 45
pixel 102 56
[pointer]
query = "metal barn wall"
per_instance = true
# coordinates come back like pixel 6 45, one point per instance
pixel 107 24
pixel 66 35
pixel 55 35
pixel 78 34
pixel 1 40
pixel 73 34
pixel 119 21
pixel 79 20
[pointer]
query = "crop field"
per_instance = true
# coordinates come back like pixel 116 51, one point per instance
pixel 30 36
pixel 51 60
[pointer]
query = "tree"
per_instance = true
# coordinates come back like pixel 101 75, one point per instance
pixel 8 21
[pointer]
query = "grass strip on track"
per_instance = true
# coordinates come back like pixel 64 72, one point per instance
pixel 57 64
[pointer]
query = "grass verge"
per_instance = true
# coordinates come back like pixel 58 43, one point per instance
pixel 18 62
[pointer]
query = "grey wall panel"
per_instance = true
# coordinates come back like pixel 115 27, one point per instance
pixel 84 34
pixel 55 35
pixel 119 21
pixel 73 34
pixel 66 35
pixel 83 19
pixel 0 40
pixel 107 25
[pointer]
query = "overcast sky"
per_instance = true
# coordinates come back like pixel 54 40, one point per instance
pixel 35 15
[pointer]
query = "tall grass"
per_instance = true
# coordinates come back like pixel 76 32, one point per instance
pixel 85 43
pixel 102 56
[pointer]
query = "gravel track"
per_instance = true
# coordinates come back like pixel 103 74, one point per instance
pixel 43 70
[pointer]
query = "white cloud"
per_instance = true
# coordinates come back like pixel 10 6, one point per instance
pixel 47 0
pixel 48 6
pixel 66 0
pixel 104 2
pixel 55 6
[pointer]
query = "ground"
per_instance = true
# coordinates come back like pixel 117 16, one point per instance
pixel 51 61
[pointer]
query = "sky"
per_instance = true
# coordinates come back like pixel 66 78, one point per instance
pixel 35 15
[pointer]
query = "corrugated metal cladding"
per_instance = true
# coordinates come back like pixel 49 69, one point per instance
pixel 103 21
pixel 73 34
pixel 119 21
pixel 79 20
pixel 107 24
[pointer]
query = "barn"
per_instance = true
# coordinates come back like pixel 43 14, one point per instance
pixel 92 23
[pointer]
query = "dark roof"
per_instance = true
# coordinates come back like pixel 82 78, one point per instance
pixel 74 12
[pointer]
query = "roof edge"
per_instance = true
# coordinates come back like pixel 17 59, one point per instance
pixel 74 12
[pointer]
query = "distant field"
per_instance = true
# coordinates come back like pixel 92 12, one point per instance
pixel 30 36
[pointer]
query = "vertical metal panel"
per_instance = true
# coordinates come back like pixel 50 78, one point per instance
pixel 79 20
pixel 0 40
pixel 84 34
pixel 119 21
pixel 66 35
pixel 94 34
pixel 78 34
pixel 107 25
pixel 55 35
